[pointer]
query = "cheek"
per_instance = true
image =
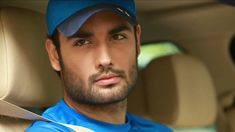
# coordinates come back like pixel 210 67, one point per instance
pixel 126 57
pixel 79 66
pixel 77 61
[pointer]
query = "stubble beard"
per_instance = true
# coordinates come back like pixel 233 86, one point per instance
pixel 78 92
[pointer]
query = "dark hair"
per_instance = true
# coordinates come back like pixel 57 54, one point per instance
pixel 55 39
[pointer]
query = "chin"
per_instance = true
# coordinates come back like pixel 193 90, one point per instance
pixel 112 94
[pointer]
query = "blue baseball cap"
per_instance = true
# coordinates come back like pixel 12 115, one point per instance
pixel 69 15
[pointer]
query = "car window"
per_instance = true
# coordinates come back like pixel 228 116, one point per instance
pixel 150 51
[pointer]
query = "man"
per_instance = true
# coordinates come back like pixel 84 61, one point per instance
pixel 93 45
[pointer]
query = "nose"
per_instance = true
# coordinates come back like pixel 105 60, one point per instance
pixel 103 58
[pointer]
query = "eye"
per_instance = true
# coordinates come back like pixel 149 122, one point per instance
pixel 81 42
pixel 118 37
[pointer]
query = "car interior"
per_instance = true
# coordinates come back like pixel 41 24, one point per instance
pixel 186 65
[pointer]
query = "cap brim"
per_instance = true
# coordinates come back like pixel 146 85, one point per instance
pixel 70 26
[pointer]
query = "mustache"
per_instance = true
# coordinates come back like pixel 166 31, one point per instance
pixel 117 72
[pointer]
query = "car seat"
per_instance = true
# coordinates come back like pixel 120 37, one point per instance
pixel 26 80
pixel 226 118
pixel 179 92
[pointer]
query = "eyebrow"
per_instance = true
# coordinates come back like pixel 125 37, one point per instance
pixel 85 34
pixel 81 34
pixel 119 29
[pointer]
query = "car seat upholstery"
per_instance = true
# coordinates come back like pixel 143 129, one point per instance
pixel 231 118
pixel 137 100
pixel 178 91
pixel 26 80
pixel 226 119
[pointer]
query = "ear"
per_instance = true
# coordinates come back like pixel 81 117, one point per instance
pixel 53 55
pixel 138 35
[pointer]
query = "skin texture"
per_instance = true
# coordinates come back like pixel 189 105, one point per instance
pixel 98 66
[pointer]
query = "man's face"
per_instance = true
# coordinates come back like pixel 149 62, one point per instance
pixel 99 63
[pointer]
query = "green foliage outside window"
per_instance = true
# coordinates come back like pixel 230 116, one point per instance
pixel 156 50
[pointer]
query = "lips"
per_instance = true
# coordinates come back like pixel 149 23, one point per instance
pixel 107 80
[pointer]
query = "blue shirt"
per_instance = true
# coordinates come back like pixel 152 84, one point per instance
pixel 62 113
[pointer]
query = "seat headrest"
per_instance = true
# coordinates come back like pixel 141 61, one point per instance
pixel 26 76
pixel 180 92
pixel 137 99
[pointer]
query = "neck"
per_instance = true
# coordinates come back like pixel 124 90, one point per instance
pixel 111 113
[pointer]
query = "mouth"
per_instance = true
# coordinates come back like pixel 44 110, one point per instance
pixel 107 80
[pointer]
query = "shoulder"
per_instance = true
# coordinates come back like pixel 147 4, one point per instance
pixel 41 126
pixel 60 112
pixel 147 125
pixel 55 113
